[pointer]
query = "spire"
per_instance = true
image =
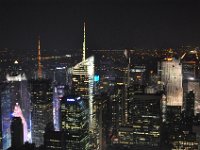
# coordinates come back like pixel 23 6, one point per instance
pixel 83 59
pixel 39 60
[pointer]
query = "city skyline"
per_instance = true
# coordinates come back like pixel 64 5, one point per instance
pixel 109 24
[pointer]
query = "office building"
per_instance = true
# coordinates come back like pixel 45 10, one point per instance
pixel 190 65
pixel 54 140
pixel 15 91
pixel 42 108
pixel 144 133
pixel 171 76
pixel 17 138
pixel 74 121
pixel 58 93
pixel 82 81
pixel 189 104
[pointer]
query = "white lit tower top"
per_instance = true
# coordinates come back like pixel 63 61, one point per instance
pixel 83 80
pixel 84 42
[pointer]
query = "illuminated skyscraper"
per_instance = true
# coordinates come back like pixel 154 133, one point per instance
pixel 42 108
pixel 190 65
pixel 82 81
pixel 171 76
pixel 191 82
pixel 15 91
pixel 58 93
pixel 74 121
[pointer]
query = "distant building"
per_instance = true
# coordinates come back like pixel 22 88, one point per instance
pixel 192 85
pixel 189 104
pixel 15 91
pixel 17 138
pixel 54 140
pixel 18 113
pixel 190 71
pixel 42 108
pixel 103 116
pixel 58 93
pixel 74 122
pixel 144 132
pixel 171 76
pixel 190 65
pixel 82 83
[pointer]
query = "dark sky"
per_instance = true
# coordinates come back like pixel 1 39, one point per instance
pixel 110 24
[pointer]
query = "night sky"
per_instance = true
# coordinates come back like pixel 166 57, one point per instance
pixel 109 24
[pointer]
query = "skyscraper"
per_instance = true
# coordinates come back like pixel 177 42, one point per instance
pixel 18 113
pixel 82 81
pixel 171 76
pixel 190 65
pixel 144 131
pixel 189 104
pixel 15 91
pixel 16 132
pixel 42 108
pixel 74 122
pixel 191 82
pixel 192 85
pixel 58 93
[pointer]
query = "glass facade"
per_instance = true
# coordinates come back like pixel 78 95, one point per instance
pixel 74 121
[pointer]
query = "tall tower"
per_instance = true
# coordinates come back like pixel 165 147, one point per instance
pixel 84 42
pixel 39 60
pixel 74 121
pixel 171 76
pixel 15 91
pixel 42 108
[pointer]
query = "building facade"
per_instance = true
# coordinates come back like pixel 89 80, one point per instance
pixel 75 123
pixel 41 108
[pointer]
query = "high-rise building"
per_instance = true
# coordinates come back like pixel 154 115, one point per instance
pixel 17 138
pixel 54 140
pixel 193 85
pixel 15 91
pixel 6 116
pixel 144 131
pixel 82 80
pixel 190 65
pixel 18 113
pixel 2 86
pixel 58 93
pixel 171 76
pixel 42 108
pixel 103 115
pixel 82 76
pixel 189 104
pixel 74 121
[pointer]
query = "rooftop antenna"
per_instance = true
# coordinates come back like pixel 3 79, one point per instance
pixel 39 60
pixel 84 42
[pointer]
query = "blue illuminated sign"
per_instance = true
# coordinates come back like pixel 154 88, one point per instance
pixel 73 99
pixel 96 78
pixel 70 99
